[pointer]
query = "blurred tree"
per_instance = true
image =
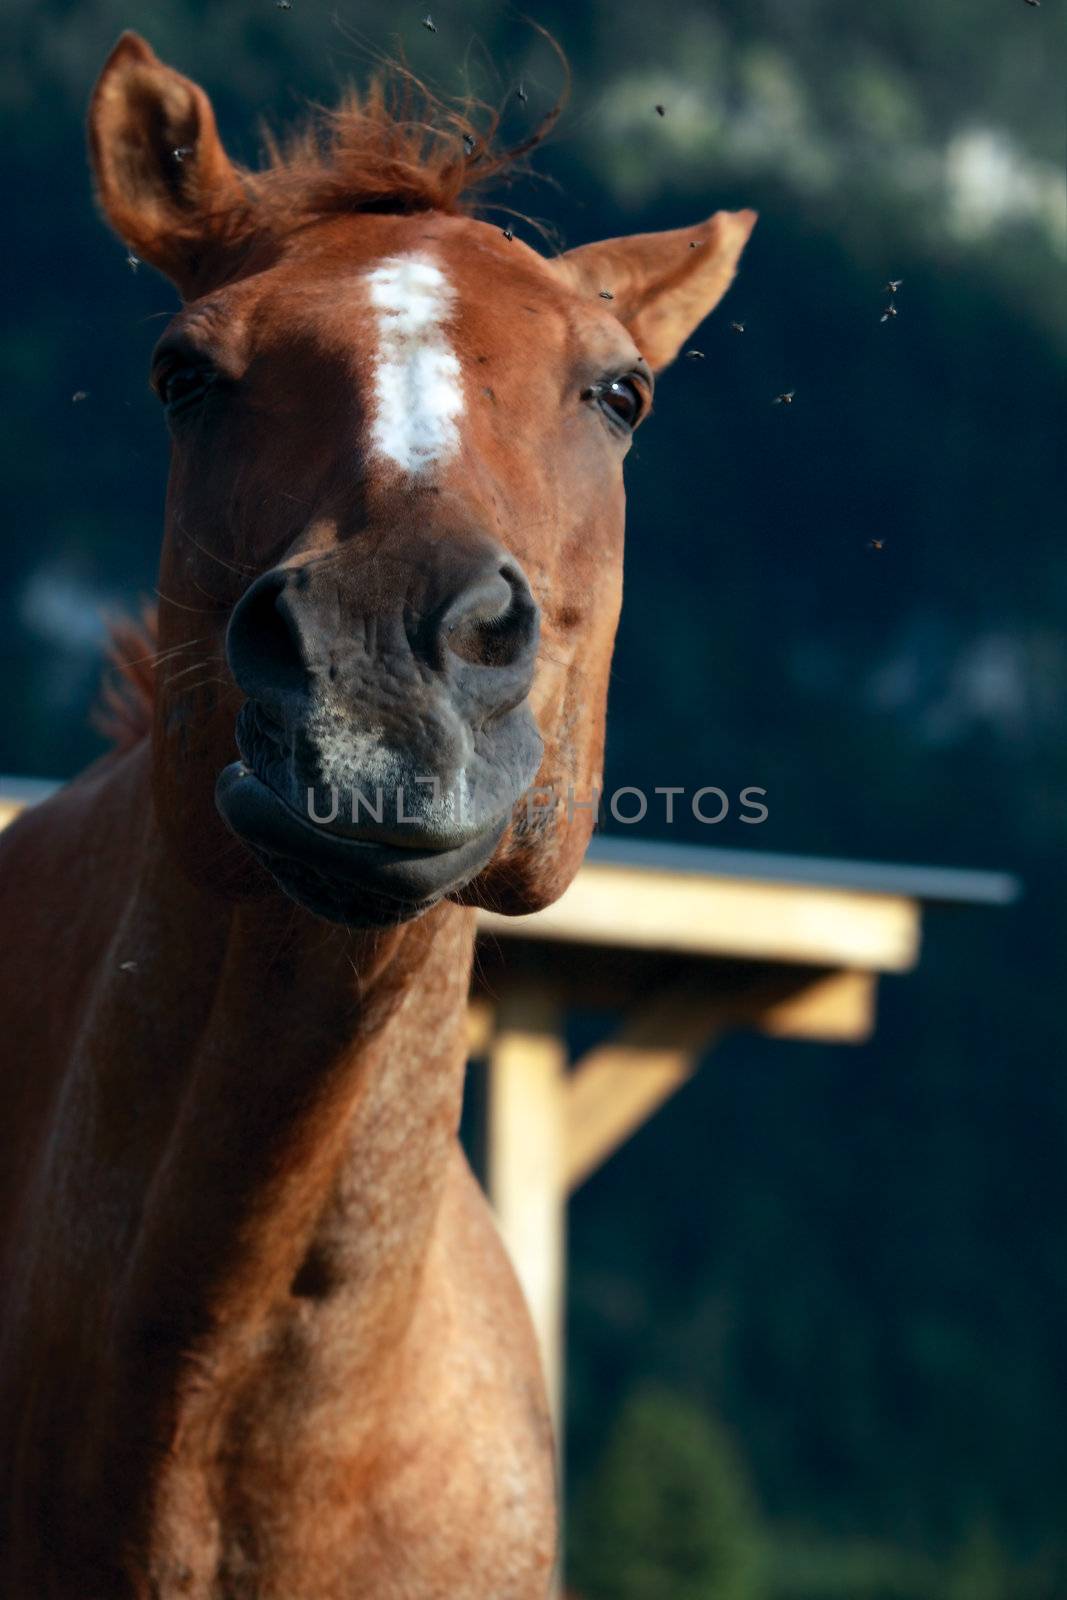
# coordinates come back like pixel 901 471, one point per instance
pixel 981 1568
pixel 855 1569
pixel 669 1515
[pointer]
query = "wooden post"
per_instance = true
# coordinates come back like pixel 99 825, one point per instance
pixel 528 1060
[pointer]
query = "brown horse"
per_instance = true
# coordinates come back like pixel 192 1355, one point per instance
pixel 262 1339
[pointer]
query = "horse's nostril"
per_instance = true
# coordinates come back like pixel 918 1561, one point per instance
pixel 263 643
pixel 288 634
pixel 494 622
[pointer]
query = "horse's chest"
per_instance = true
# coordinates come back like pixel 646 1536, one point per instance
pixel 426 1472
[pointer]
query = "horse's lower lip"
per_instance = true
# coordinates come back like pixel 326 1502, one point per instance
pixel 412 874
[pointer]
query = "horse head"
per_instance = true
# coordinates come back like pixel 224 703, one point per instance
pixel 392 562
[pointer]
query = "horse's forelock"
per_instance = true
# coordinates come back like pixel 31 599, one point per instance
pixel 397 148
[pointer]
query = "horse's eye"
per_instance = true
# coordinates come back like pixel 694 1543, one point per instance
pixel 625 400
pixel 182 385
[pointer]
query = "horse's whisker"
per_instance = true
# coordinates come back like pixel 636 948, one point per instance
pixel 198 611
pixel 196 666
pixel 158 657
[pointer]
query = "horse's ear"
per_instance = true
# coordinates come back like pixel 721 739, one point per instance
pixel 165 183
pixel 662 284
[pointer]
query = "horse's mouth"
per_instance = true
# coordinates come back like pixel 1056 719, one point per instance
pixel 361 881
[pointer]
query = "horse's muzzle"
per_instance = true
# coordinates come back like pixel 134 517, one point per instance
pixel 387 736
pixel 360 881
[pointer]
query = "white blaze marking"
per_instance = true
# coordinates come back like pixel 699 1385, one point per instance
pixel 418 388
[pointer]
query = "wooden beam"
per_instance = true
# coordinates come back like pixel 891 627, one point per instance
pixel 618 1085
pixel 615 1091
pixel 838 1007
pixel 657 910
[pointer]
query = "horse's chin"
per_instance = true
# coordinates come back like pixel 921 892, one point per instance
pixel 360 882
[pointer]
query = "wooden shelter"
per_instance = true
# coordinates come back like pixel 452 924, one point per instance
pixel 683 944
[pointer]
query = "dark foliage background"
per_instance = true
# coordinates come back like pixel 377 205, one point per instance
pixel 846 1267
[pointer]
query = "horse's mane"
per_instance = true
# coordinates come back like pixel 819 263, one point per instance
pixel 123 712
pixel 397 148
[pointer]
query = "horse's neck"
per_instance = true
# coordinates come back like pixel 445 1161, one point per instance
pixel 319 1109
pixel 320 1106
